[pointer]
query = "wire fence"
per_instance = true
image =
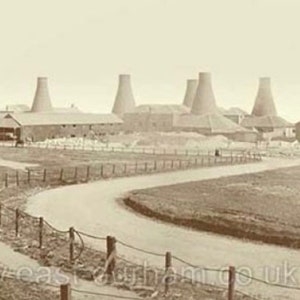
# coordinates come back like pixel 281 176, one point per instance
pixel 95 146
pixel 70 250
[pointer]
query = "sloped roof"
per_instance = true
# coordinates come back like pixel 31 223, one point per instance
pixel 71 109
pixel 17 108
pixel 236 111
pixel 30 119
pixel 266 122
pixel 215 123
pixel 161 109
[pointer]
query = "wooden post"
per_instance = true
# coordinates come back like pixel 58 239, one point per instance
pixel 231 283
pixel 61 174
pixel 172 164
pixel 102 170
pixel 164 164
pixel 136 166
pixel 17 178
pixel 168 265
pixel 17 222
pixel 6 180
pixel 75 174
pixel 41 226
pixel 113 169
pixel 110 255
pixel 125 168
pixel 45 175
pixel 146 167
pixel 88 171
pixel 155 165
pixel 28 176
pixel 71 244
pixel 0 214
pixel 180 164
pixel 65 292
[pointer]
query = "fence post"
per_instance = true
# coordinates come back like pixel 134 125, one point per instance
pixel 155 165
pixel 41 226
pixel 61 174
pixel 168 265
pixel 125 168
pixel 17 178
pixel 172 164
pixel 136 167
pixel 101 171
pixel 0 214
pixel 6 180
pixel 65 292
pixel 231 283
pixel 71 244
pixel 29 176
pixel 45 175
pixel 110 255
pixel 88 171
pixel 17 222
pixel 75 173
pixel 146 167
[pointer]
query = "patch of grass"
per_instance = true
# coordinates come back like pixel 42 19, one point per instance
pixel 262 206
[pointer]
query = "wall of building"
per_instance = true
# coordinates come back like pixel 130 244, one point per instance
pixel 268 133
pixel 143 122
pixel 40 133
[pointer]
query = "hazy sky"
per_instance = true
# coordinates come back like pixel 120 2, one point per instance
pixel 82 46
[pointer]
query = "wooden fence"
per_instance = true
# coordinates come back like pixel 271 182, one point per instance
pixel 85 173
pixel 73 241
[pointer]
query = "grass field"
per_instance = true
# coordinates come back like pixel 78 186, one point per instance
pixel 263 206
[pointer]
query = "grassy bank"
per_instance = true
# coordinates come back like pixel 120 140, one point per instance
pixel 261 207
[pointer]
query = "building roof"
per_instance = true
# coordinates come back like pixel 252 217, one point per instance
pixel 215 123
pixel 236 111
pixel 266 122
pixel 161 109
pixel 17 108
pixel 32 119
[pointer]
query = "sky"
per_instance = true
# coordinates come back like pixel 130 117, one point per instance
pixel 82 46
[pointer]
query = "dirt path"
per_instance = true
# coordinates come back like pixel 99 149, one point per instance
pixel 92 208
pixel 22 265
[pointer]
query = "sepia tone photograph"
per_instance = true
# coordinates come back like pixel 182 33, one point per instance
pixel 149 150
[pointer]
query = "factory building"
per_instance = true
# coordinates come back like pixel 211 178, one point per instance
pixel 205 117
pixel 45 122
pixel 198 113
pixel 264 117
pixel 153 118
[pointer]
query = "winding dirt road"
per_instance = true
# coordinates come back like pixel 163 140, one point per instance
pixel 93 208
